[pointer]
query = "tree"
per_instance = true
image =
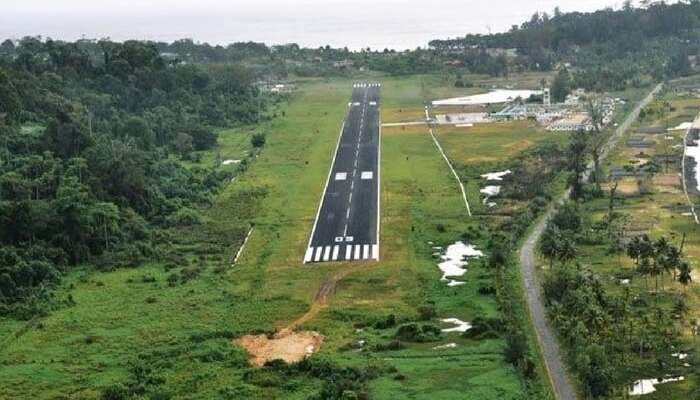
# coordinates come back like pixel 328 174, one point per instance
pixel 578 144
pixel 66 137
pixel 597 139
pixel 634 249
pixel 182 144
pixel 104 222
pixel 550 243
pixel 499 249
pixel 258 140
pixel 685 274
pixel 568 250
pixel 645 269
pixel 561 85
pixel 202 138
pixel 10 106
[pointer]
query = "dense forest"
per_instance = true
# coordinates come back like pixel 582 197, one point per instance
pixel 609 49
pixel 90 136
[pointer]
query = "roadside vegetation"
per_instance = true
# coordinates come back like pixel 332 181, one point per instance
pixel 619 263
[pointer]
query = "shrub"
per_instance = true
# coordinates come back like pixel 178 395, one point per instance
pixel 385 323
pixel 388 346
pixel 258 140
pixel 483 328
pixel 114 392
pixel 427 312
pixel 173 279
pixel 184 217
pixel 418 333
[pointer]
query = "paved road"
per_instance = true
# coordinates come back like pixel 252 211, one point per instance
pixel 347 223
pixel 551 352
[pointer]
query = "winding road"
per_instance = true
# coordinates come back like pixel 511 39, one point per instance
pixel 560 380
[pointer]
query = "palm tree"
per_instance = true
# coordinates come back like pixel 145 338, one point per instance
pixel 634 248
pixel 661 260
pixel 655 269
pixel 644 269
pixel 646 247
pixel 567 250
pixel 684 274
pixel 550 243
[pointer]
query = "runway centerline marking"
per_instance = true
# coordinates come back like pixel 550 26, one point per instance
pixel 355 228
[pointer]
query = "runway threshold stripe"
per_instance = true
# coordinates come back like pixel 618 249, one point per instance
pixel 336 249
pixel 327 253
pixel 366 252
pixel 319 251
pixel 358 252
pixel 309 254
pixel 375 251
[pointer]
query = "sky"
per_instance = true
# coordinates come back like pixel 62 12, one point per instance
pixel 397 24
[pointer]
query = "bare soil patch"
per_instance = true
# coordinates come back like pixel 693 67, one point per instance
pixel 668 183
pixel 287 346
pixel 627 187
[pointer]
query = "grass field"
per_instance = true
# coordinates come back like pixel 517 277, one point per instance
pixel 490 143
pixel 136 326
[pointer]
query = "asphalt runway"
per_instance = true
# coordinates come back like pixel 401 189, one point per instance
pixel 347 223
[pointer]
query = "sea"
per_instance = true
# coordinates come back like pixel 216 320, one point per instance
pixel 356 24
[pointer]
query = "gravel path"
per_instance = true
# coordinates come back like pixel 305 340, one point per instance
pixel 546 337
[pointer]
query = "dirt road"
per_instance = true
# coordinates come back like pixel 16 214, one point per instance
pixel 549 346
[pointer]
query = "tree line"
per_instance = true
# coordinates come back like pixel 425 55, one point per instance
pixel 89 143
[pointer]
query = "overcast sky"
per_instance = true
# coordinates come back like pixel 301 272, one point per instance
pixel 355 23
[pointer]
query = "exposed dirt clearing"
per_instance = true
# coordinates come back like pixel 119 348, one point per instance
pixel 291 347
pixel 627 187
pixel 668 183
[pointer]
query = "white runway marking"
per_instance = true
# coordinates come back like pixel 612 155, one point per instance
pixel 375 251
pixel 349 239
pixel 309 254
pixel 367 175
pixel 341 176
pixel 347 214
pixel 339 239
pixel 336 249
pixel 348 252
pixel 327 253
pixel 358 252
pixel 319 250
pixel 365 252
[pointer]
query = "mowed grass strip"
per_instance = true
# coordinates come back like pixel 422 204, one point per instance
pixel 490 142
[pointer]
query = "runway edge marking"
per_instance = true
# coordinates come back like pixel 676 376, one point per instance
pixel 379 173
pixel 330 174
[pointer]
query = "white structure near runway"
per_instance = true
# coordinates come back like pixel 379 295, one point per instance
pixel 498 96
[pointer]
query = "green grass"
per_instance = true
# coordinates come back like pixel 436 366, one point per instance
pixel 490 143
pixel 129 322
